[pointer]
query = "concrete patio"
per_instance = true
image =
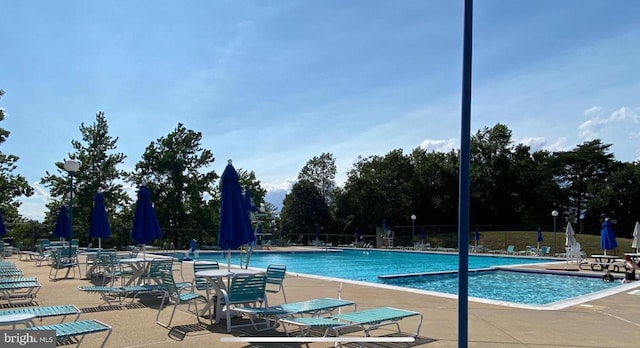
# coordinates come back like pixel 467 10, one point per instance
pixel 613 321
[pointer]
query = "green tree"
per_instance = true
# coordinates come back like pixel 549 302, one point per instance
pixel 304 210
pixel 377 188
pixel 321 171
pixel 174 169
pixel 581 171
pixel 12 185
pixel 509 184
pixel 435 186
pixel 98 173
pixel 617 197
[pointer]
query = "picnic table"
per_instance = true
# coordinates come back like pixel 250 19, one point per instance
pixel 603 263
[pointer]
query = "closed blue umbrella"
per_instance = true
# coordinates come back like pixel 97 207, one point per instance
pixel 282 233
pixel 476 237
pixel 607 237
pixel 539 237
pixel 99 226
pixel 63 225
pixel 145 227
pixel 423 235
pixel 3 229
pixel 235 226
pixel 355 235
pixel 317 234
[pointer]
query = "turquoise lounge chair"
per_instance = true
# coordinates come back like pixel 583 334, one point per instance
pixel 17 279
pixel 46 312
pixel 313 308
pixel 76 330
pixel 26 291
pixel 368 320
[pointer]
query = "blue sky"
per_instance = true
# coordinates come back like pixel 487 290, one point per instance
pixel 271 84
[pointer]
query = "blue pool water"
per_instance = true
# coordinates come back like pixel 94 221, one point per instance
pixel 517 287
pixel 367 265
pixel 510 286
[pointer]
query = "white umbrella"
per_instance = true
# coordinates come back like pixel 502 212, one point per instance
pixel 570 235
pixel 636 232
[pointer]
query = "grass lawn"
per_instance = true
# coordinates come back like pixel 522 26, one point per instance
pixel 496 240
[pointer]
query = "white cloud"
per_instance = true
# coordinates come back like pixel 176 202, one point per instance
pixel 34 207
pixel 276 193
pixel 559 145
pixel 593 110
pixel 440 145
pixel 598 124
pixel 283 186
pixel 535 143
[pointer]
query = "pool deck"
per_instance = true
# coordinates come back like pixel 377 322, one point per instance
pixel 612 321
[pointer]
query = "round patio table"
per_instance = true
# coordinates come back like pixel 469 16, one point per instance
pixel 13 319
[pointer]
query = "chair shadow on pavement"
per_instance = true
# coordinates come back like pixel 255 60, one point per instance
pixel 180 332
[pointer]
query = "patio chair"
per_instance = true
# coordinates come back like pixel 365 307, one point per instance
pixel 59 260
pixel 110 267
pixel 368 320
pixel 75 331
pixel 575 254
pixel 178 295
pixel 46 312
pixel 245 290
pixel 201 283
pixel 11 292
pixel 156 267
pixel 275 279
pixel 41 254
pixel 545 250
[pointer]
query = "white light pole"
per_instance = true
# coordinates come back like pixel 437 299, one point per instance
pixel 555 217
pixel 413 228
pixel 71 167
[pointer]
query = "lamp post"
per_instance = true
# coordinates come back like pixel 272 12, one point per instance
pixel 555 217
pixel 71 167
pixel 413 228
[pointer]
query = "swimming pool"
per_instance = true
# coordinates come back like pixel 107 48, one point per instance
pixel 367 265
pixel 532 288
pixel 432 272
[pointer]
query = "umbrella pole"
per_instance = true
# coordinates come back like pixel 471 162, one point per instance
pixel 99 243
pixel 229 260
pixel 144 251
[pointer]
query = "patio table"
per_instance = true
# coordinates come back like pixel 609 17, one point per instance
pixel 604 261
pixel 13 319
pixel 139 268
pixel 216 278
